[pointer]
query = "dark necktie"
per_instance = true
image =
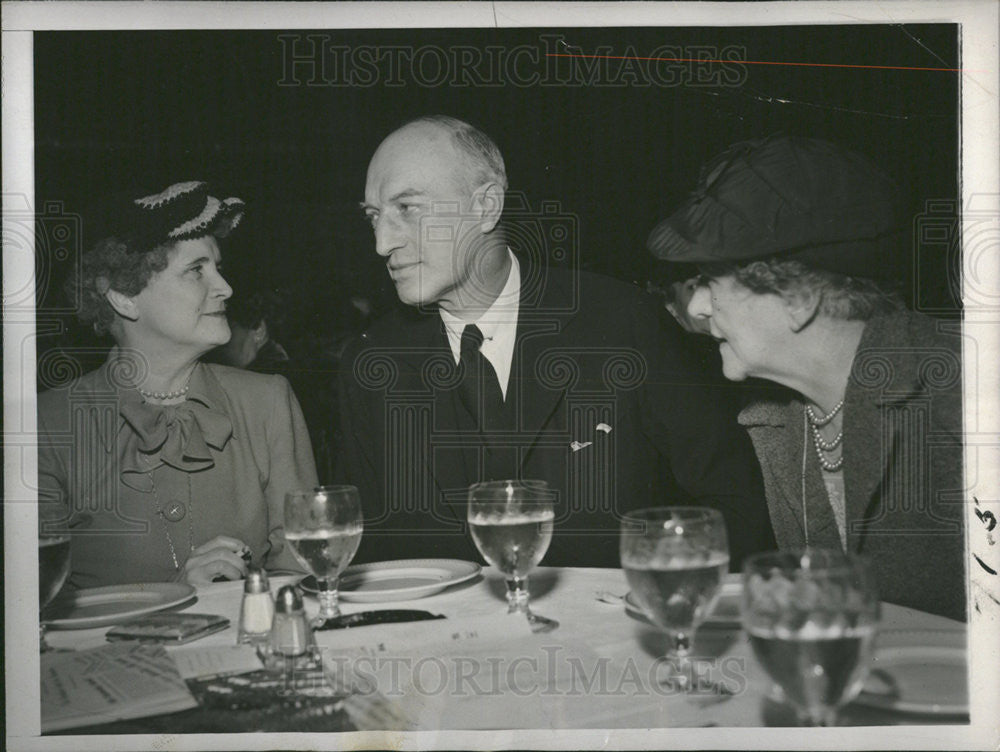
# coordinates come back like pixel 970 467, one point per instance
pixel 481 395
pixel 480 387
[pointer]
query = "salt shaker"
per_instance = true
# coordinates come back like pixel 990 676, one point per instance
pixel 290 633
pixel 257 610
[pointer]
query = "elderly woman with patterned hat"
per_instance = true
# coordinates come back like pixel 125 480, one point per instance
pixel 862 448
pixel 161 467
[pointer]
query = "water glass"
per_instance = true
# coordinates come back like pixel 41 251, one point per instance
pixel 323 528
pixel 812 616
pixel 674 560
pixel 53 569
pixel 511 523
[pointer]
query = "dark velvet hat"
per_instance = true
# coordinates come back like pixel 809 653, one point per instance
pixel 800 198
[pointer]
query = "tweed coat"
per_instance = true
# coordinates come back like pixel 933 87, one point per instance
pixel 902 466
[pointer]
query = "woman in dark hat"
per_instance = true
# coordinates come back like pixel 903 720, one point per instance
pixel 864 450
pixel 159 466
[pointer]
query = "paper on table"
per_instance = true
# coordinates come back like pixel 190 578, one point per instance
pixel 202 662
pixel 375 665
pixel 539 681
pixel 110 683
pixel 408 636
pixel 527 682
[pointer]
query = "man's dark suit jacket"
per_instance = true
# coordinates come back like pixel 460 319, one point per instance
pixel 589 351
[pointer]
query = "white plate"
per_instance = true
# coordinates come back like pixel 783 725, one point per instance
pixel 104 606
pixel 914 672
pixel 403 580
pixel 726 612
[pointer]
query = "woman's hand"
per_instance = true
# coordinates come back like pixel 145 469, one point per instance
pixel 220 557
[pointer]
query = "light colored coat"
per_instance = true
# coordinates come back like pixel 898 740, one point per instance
pixel 246 448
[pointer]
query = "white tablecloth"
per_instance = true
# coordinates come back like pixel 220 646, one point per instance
pixel 599 669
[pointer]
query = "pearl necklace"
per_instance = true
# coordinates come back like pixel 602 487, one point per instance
pixel 826 418
pixel 822 446
pixel 164 395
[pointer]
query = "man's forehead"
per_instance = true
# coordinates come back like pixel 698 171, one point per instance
pixel 415 166
pixel 426 133
pixel 413 144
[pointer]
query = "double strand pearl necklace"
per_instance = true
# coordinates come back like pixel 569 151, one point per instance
pixel 823 446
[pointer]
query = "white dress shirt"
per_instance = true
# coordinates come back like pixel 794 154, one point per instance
pixel 498 325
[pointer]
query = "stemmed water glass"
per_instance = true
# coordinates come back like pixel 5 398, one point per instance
pixel 323 528
pixel 53 569
pixel 511 523
pixel 812 616
pixel 674 560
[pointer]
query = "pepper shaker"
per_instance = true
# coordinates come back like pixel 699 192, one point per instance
pixel 257 609
pixel 290 633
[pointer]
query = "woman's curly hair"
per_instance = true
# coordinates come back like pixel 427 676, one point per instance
pixel 110 266
pixel 840 296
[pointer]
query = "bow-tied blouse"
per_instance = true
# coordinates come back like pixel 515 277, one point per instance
pixel 137 485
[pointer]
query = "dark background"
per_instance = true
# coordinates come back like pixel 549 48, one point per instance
pixel 140 110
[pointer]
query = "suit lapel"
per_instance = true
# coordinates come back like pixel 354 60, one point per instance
pixel 780 428
pixel 427 373
pixel 452 456
pixel 871 434
pixel 874 414
pixel 537 402
pixel 543 317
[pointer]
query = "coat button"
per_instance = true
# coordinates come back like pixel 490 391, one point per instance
pixel 175 511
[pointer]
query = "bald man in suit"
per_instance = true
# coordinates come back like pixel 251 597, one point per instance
pixel 503 366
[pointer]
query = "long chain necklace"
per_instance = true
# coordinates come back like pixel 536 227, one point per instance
pixel 805 456
pixel 823 446
pixel 175 513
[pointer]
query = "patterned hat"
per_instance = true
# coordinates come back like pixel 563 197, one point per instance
pixel 181 212
pixel 799 198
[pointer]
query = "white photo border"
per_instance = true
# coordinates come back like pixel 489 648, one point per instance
pixel 980 189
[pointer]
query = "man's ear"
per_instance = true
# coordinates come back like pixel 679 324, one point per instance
pixel 801 308
pixel 260 333
pixel 488 203
pixel 122 304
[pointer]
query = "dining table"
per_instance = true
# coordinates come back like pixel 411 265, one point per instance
pixel 480 668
